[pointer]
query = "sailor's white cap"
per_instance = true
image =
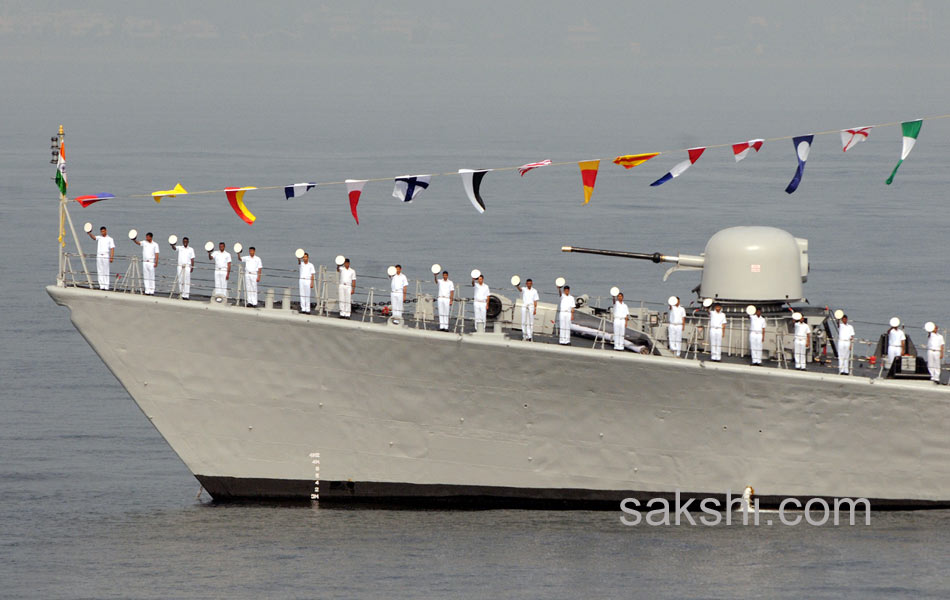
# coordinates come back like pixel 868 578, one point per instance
pixel 340 259
pixel 238 247
pixel 929 326
pixel 87 227
pixel 515 280
pixel 559 282
pixel 476 273
pixel 750 310
pixel 672 300
pixel 895 322
pixel 133 234
pixel 391 271
pixel 173 239
pixel 707 302
pixel 614 291
pixel 209 246
pixel 299 252
pixel 797 316
pixel 436 268
pixel 839 313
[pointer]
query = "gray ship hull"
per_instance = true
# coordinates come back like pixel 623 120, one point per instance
pixel 245 396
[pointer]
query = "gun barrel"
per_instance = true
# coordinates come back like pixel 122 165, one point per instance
pixel 654 257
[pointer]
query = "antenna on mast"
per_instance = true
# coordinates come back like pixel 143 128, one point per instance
pixel 54 143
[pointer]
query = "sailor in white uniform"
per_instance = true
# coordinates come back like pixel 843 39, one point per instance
pixel 935 347
pixel 186 264
pixel 717 328
pixel 621 314
pixel 105 254
pixel 845 340
pixel 253 269
pixel 802 341
pixel 398 284
pixel 149 262
pixel 480 301
pixel 896 342
pixel 756 336
pixel 346 288
pixel 445 299
pixel 677 318
pixel 222 269
pixel 306 281
pixel 566 315
pixel 529 309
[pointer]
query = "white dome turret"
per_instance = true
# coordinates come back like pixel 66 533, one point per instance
pixel 754 264
pixel 750 264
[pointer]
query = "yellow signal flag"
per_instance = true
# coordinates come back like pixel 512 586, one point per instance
pixel 176 191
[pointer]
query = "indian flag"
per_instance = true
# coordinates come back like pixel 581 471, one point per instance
pixel 61 169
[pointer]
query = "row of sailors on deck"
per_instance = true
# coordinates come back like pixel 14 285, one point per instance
pixel 399 284
pixel 254 266
pixel 105 254
pixel 480 298
pixel 307 281
pixel 896 339
pixel 897 346
pixel 481 294
pixel 529 307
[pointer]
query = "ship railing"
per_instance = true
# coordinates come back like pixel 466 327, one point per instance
pixel 371 290
pixel 126 275
pixel 868 354
pixel 735 343
pixel 372 296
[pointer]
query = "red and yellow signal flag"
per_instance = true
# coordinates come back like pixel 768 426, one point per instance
pixel 236 200
pixel 629 161
pixel 588 176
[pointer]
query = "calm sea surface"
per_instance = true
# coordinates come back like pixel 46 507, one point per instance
pixel 94 504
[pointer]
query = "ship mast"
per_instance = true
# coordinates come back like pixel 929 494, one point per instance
pixel 56 143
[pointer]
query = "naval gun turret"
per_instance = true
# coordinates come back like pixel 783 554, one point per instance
pixel 740 265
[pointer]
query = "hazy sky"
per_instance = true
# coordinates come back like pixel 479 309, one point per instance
pixel 691 71
pixel 671 73
pixel 699 33
pixel 264 93
pixel 863 53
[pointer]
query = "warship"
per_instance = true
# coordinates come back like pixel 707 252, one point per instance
pixel 579 426
pixel 347 411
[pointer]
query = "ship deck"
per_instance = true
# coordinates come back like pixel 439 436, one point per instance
pixel 371 304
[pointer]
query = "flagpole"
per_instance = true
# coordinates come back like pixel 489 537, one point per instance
pixel 60 276
pixel 64 212
pixel 62 230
